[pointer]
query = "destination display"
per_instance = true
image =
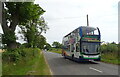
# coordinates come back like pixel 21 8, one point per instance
pixel 90 38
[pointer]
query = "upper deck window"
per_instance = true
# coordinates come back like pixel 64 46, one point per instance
pixel 89 31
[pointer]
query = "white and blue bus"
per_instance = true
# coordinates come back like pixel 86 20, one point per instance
pixel 82 43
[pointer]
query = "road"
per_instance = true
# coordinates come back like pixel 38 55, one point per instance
pixel 61 66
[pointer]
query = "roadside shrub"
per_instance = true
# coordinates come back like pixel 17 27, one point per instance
pixel 112 48
pixel 19 54
pixel 105 48
pixel 10 55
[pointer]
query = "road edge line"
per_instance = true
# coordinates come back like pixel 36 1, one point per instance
pixel 47 64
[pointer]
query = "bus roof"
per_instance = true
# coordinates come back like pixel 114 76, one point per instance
pixel 84 29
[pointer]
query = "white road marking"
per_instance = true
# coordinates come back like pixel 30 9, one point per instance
pixel 95 69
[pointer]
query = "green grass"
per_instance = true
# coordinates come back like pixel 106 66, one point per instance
pixel 110 58
pixel 55 50
pixel 41 67
pixel 28 66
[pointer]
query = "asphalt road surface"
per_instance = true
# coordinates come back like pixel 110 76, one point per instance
pixel 61 66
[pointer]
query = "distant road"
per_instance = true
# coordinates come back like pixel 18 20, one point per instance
pixel 61 66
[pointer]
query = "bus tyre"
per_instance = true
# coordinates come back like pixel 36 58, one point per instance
pixel 64 56
pixel 72 56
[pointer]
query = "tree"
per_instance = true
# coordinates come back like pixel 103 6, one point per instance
pixel 33 30
pixel 17 13
pixel 48 46
pixel 40 41
pixel 56 44
pixel 113 42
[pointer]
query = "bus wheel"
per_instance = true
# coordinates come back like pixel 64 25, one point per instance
pixel 64 56
pixel 72 56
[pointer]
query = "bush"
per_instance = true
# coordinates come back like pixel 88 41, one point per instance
pixel 105 48
pixel 112 48
pixel 18 54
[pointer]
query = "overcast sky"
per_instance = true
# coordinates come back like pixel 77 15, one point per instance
pixel 119 22
pixel 63 16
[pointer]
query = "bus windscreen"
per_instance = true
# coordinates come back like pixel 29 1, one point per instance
pixel 90 48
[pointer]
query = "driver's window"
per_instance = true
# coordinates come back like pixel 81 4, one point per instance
pixel 84 48
pixel 97 48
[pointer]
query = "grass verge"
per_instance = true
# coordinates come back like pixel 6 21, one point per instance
pixel 55 50
pixel 27 66
pixel 110 58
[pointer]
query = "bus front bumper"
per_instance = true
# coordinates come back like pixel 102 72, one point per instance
pixel 89 58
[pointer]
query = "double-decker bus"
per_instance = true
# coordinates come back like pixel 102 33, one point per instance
pixel 82 43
